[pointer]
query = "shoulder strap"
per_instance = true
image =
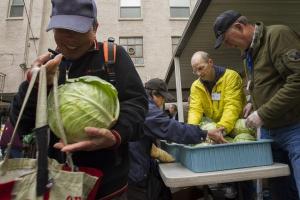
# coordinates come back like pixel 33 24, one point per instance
pixel 109 51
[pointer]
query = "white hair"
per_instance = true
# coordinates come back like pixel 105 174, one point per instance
pixel 199 55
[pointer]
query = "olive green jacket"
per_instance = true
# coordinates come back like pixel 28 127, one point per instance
pixel 275 85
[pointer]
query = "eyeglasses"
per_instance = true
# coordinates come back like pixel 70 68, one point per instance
pixel 200 67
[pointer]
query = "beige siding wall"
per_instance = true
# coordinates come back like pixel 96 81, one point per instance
pixel 12 42
pixel 17 41
pixel 155 27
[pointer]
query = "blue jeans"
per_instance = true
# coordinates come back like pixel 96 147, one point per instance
pixel 285 149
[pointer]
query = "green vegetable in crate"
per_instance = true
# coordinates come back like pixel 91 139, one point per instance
pixel 205 120
pixel 228 139
pixel 240 127
pixel 243 137
pixel 209 126
pixel 85 101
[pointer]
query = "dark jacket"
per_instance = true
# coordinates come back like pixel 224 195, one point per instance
pixel 133 106
pixel 276 76
pixel 158 125
pixel 6 137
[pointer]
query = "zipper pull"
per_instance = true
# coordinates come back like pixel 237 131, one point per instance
pixel 248 85
pixel 67 74
pixel 67 71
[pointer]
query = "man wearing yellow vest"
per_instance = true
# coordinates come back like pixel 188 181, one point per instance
pixel 217 94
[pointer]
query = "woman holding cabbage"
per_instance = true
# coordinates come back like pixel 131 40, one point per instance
pixel 74 24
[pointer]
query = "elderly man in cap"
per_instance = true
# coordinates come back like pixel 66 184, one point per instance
pixel 272 65
pixel 74 24
pixel 158 125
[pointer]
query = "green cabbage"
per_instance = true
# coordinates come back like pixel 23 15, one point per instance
pixel 208 125
pixel 85 101
pixel 240 127
pixel 228 139
pixel 205 120
pixel 244 137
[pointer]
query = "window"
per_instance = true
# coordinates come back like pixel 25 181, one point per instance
pixel 130 9
pixel 16 8
pixel 175 41
pixel 179 8
pixel 134 47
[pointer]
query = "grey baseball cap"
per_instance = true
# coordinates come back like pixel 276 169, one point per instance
pixel 75 15
pixel 222 24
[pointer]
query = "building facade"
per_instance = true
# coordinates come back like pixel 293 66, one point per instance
pixel 148 29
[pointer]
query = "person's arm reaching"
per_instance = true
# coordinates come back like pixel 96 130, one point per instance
pixel 159 125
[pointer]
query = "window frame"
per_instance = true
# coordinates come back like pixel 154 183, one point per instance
pixel 176 17
pixel 130 18
pixel 10 7
pixel 135 44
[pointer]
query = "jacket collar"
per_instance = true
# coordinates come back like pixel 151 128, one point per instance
pixel 219 72
pixel 256 40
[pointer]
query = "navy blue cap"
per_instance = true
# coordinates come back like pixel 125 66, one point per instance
pixel 222 24
pixel 160 86
pixel 75 15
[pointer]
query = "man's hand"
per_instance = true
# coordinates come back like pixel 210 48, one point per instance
pixel 254 120
pixel 247 110
pixel 216 135
pixel 51 66
pixel 99 138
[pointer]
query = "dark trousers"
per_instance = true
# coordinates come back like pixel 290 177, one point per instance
pixel 122 197
pixel 136 193
pixel 154 190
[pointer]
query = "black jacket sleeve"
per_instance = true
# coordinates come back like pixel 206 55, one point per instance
pixel 132 97
pixel 27 122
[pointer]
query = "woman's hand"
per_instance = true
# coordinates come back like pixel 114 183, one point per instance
pixel 99 138
pixel 51 66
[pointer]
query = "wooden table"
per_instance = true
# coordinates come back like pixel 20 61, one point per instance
pixel 175 175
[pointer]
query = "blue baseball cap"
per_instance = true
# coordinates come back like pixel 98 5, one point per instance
pixel 74 15
pixel 223 23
